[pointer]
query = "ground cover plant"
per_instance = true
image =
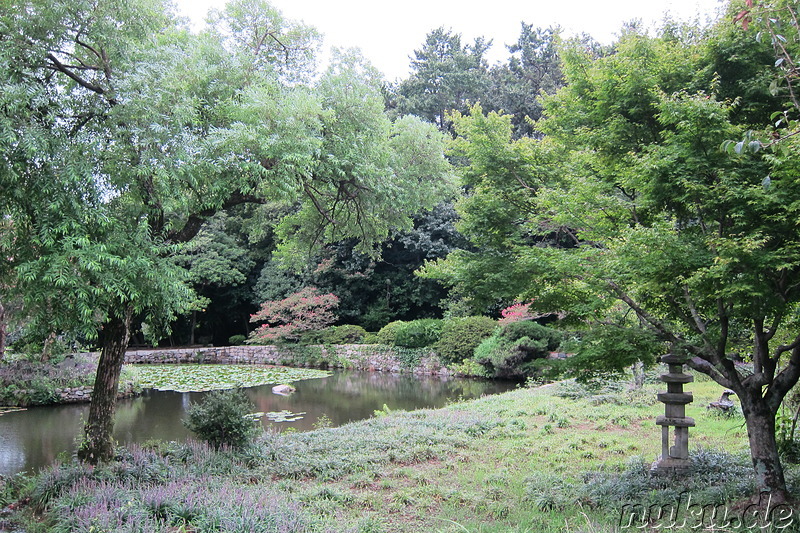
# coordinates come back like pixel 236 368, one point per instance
pixel 197 378
pixel 562 457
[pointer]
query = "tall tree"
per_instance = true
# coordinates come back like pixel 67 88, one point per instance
pixel 447 75
pixel 121 133
pixel 697 246
pixel 213 259
pixel 533 69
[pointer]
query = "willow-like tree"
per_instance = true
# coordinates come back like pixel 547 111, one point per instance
pixel 121 132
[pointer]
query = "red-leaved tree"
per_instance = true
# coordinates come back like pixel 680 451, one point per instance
pixel 288 319
pixel 515 313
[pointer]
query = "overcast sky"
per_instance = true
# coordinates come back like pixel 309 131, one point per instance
pixel 388 33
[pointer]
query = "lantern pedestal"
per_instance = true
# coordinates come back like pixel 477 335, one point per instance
pixel 674 452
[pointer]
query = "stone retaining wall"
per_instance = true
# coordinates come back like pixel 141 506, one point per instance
pixel 352 356
pixel 84 394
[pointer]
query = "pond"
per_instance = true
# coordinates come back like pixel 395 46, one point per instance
pixel 35 437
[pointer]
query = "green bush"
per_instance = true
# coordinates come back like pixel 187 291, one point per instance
pixel 237 340
pixel 387 333
pixel 418 333
pixel 460 337
pixel 370 338
pixel 346 334
pixel 222 419
pixel 518 350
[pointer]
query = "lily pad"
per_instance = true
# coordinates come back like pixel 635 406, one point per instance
pixel 279 416
pixel 284 416
pixel 198 378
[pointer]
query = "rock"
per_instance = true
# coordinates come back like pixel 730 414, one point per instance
pixel 283 390
pixel 724 403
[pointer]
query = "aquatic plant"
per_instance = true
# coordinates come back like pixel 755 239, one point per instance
pixel 196 378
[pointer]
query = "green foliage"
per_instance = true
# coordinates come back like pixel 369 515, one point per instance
pixel 236 340
pixel 518 349
pixel 625 345
pixel 533 69
pixel 417 333
pixel 460 337
pixel 409 358
pixel 200 377
pixel 629 218
pixel 446 75
pixel 387 333
pixel 221 419
pixel 345 334
pixel 122 132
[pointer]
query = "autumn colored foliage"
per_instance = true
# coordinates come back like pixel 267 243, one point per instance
pixel 515 313
pixel 288 319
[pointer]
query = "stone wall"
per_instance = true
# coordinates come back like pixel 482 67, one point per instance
pixel 69 395
pixel 84 394
pixel 351 356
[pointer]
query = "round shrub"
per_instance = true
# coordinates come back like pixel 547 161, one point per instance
pixel 460 337
pixel 221 418
pixel 346 334
pixel 418 333
pixel 237 340
pixel 516 350
pixel 387 333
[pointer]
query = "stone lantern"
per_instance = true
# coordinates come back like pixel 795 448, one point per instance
pixel 675 457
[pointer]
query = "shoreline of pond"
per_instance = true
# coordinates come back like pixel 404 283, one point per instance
pixel 35 391
pixel 40 435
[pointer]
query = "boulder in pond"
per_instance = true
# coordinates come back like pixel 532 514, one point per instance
pixel 283 390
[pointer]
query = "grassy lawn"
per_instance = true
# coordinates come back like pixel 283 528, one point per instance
pixel 554 458
pixel 528 470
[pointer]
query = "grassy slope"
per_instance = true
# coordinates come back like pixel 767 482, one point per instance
pixel 507 463
pixel 517 476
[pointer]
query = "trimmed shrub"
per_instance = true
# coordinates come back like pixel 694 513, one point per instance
pixel 518 349
pixel 460 337
pixel 387 333
pixel 222 419
pixel 236 340
pixel 346 334
pixel 418 333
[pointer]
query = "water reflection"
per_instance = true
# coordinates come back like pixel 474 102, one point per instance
pixel 35 437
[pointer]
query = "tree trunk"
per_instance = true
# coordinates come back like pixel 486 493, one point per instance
pixel 2 331
pixel 638 374
pixel 98 444
pixel 194 325
pixel 763 446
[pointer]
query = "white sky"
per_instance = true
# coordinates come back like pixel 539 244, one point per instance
pixel 388 33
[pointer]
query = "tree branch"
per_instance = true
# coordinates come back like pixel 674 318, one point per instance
pixel 701 326
pixel 64 69
pixel 196 220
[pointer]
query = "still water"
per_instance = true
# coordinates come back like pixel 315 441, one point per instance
pixel 35 437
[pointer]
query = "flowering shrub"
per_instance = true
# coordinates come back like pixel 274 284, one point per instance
pixel 288 319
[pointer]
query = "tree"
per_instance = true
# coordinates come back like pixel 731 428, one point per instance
pixel 448 75
pixel 213 259
pixel 287 319
pixel 672 238
pixel 533 69
pixel 122 133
